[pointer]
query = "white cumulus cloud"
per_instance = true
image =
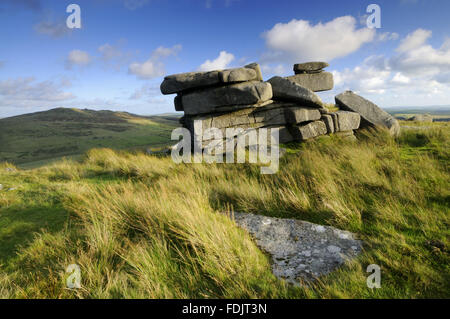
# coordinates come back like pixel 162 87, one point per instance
pixel 418 58
pixel 153 67
pixel 417 73
pixel 219 63
pixel 299 40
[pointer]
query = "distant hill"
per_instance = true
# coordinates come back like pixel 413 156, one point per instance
pixel 432 110
pixel 35 138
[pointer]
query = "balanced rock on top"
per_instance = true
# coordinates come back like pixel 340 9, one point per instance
pixel 316 82
pixel 310 67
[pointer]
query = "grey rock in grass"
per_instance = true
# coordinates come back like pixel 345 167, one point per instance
pixel 284 89
pixel 309 131
pixel 309 67
pixel 212 99
pixel 347 121
pixel 421 118
pixel 317 82
pixel 371 114
pixel 1 187
pixel 300 251
pixel 182 82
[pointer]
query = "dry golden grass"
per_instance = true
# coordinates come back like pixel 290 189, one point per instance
pixel 144 227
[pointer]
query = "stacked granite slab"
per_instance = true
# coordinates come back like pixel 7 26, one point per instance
pixel 240 99
pixel 309 78
pixel 312 76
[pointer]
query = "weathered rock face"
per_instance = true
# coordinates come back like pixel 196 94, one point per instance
pixel 370 113
pixel 322 81
pixel 329 123
pixel 347 121
pixel 178 83
pixel 309 131
pixel 309 67
pixel 284 89
pixel 295 115
pixel 300 250
pixel 208 100
pixel 237 75
pixel 255 66
pixel 273 114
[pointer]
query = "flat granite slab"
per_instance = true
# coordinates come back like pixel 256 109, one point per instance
pixel 300 250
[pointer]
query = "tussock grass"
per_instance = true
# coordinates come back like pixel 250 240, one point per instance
pixel 142 226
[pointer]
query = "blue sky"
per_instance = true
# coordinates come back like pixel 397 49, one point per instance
pixel 119 57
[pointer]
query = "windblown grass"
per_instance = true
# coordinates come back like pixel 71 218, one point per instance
pixel 144 227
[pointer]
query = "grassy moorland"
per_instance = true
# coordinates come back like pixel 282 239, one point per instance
pixel 141 226
pixel 36 139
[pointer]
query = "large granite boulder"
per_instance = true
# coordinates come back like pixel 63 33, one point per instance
pixel 310 67
pixel 300 250
pixel 347 121
pixel 211 99
pixel 371 114
pixel 317 82
pixel 284 89
pixel 182 82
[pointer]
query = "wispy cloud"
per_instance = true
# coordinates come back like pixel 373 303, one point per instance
pixel 77 58
pixel 114 56
pixel 53 27
pixel 33 5
pixel 146 91
pixel 134 4
pixel 25 92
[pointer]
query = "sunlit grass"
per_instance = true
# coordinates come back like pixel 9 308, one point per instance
pixel 142 226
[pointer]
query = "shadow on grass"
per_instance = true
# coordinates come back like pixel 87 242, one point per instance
pixel 19 225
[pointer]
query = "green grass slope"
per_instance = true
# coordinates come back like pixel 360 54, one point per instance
pixel 142 226
pixel 32 140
